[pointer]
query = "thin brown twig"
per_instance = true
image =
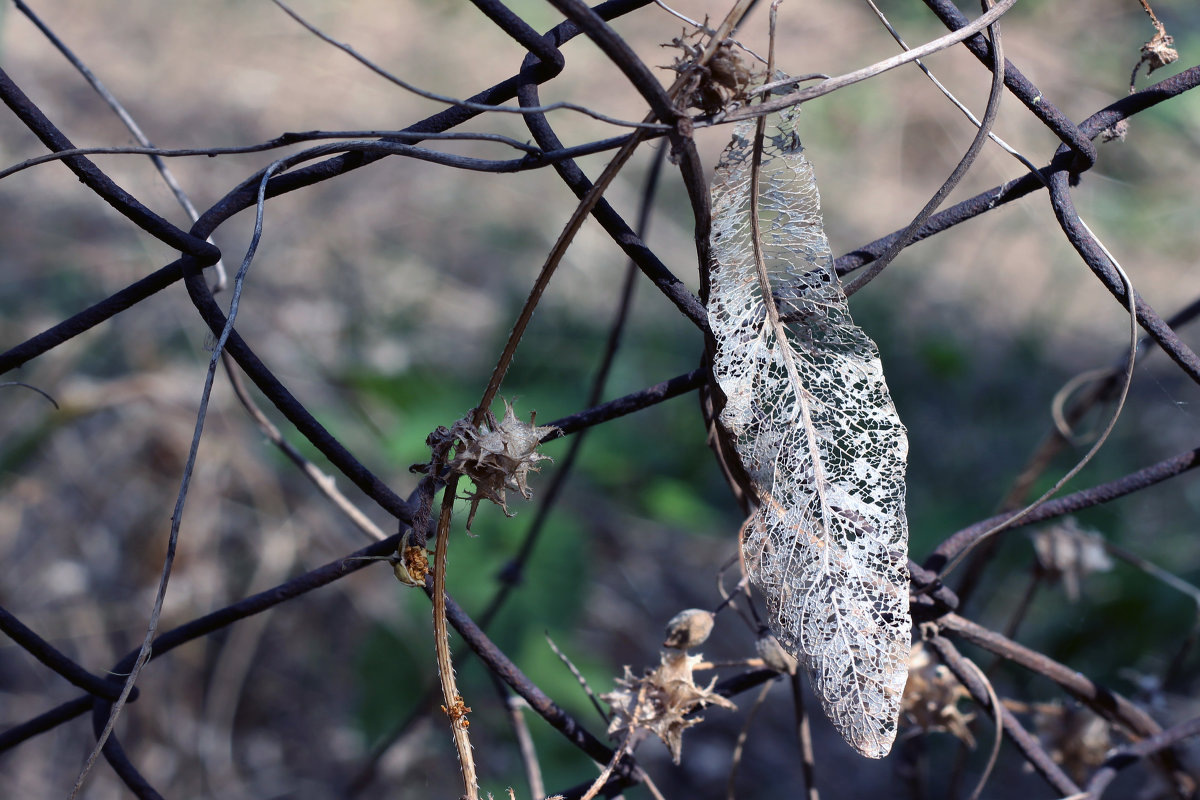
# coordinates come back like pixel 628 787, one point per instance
pixel 533 770
pixel 841 81
pixel 323 481
pixel 587 689
pixel 1036 575
pixel 1053 442
pixel 1123 757
pixel 998 716
pixel 739 744
pixel 808 761
pixel 1029 746
pixel 288 140
pixel 1127 381
pixel 168 563
pixel 1163 470
pixel 582 210
pixel 982 132
pixel 510 574
pixel 454 101
pixel 441 634
pixel 580 213
pixel 548 268
pixel 607 772
pixel 131 124
pixel 441 641
pixel 1150 12
pixel 1105 702
pixel 32 388
pixel 1101 390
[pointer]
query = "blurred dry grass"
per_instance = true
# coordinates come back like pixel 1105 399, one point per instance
pixel 407 268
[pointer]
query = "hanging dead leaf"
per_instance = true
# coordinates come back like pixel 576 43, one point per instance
pixel 813 425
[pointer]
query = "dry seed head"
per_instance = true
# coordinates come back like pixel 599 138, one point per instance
pixel 1075 737
pixel 1069 553
pixel 931 697
pixel 411 564
pixel 660 701
pixel 1159 51
pixel 498 456
pixel 689 628
pixel 723 81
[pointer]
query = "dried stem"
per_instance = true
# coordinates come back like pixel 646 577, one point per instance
pixel 578 676
pixel 452 699
pixel 1029 746
pixel 808 761
pixel 1123 757
pixel 453 101
pixel 130 123
pixel 180 500
pixel 984 129
pixel 1103 701
pixel 533 770
pixel 833 84
pixel 739 744
pixel 324 482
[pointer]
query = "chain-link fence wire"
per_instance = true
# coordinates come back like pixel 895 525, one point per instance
pixel 307 681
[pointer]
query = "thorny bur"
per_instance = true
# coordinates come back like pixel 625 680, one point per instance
pixel 498 456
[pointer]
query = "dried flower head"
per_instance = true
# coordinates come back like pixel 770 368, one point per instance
pixel 1076 737
pixel 1159 51
pixel 931 697
pixel 411 562
pixel 412 566
pixel 659 701
pixel 498 456
pixel 688 628
pixel 1069 553
pixel 724 80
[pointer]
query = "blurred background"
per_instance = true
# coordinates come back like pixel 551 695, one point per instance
pixel 382 299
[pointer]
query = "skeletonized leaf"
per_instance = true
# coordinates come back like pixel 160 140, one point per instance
pixel 811 419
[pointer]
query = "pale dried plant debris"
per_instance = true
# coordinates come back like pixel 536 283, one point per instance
pixel 1160 50
pixel 1156 53
pixel 1115 132
pixel 498 457
pixel 689 628
pixel 1069 553
pixel 815 429
pixel 931 698
pixel 660 701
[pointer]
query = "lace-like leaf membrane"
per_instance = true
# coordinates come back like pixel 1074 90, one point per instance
pixel 811 419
